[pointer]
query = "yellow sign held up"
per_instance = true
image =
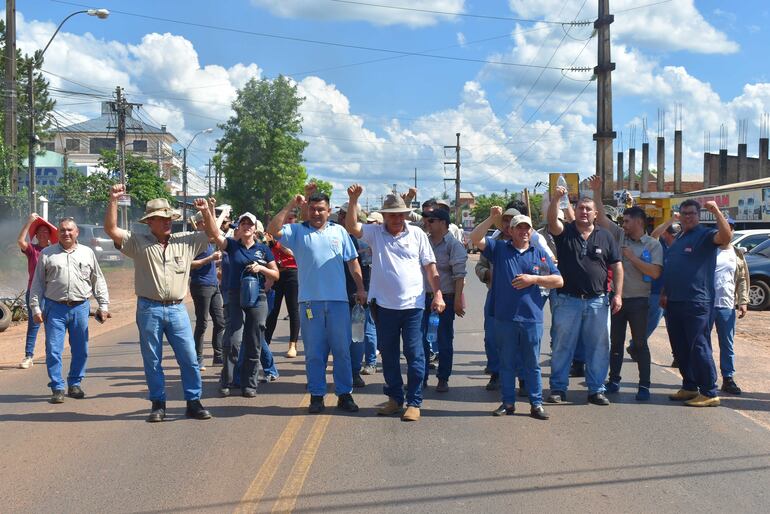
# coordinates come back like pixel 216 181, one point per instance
pixel 572 179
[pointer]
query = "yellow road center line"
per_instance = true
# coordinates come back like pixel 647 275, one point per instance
pixel 250 500
pixel 298 474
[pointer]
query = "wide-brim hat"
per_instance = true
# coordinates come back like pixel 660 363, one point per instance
pixel 42 222
pixel 394 204
pixel 159 207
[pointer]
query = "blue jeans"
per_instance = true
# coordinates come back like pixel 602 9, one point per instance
pixel 265 360
pixel 444 340
pixel 370 340
pixel 246 331
pixel 393 326
pixel 32 327
pixel 689 330
pixel 518 344
pixel 725 322
pixel 58 319
pixel 154 320
pixel 586 320
pixel 490 345
pixel 328 330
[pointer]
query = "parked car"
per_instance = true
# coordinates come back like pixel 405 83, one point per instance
pixel 758 261
pixel 97 239
pixel 748 239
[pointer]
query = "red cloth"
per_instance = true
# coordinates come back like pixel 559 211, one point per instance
pixel 282 258
pixel 33 254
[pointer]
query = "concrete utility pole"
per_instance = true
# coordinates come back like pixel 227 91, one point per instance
pixel 661 151
pixel 122 108
pixel 456 162
pixel 764 131
pixel 620 177
pixel 32 138
pixel 678 150
pixel 645 186
pixel 415 184
pixel 10 90
pixel 603 71
pixel 208 176
pixel 184 189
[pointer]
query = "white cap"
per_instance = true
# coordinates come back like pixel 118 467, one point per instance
pixel 518 220
pixel 511 212
pixel 375 217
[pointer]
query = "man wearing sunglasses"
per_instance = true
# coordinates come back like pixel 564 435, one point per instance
pixel 688 297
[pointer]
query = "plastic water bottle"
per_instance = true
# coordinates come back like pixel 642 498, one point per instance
pixel 432 334
pixel 646 257
pixel 357 319
pixel 543 270
pixel 564 200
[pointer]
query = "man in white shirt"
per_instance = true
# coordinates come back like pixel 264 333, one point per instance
pixel 400 252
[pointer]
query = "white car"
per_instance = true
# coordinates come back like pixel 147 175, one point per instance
pixel 748 239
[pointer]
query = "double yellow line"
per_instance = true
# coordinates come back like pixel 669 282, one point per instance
pixel 296 479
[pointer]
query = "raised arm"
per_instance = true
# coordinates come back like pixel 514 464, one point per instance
pixel 352 225
pixel 664 226
pixel 117 234
pixel 206 208
pixel 601 215
pixel 555 226
pixel 274 227
pixel 724 234
pixel 22 239
pixel 478 234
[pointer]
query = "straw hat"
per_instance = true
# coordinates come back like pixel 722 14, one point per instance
pixel 159 207
pixel 394 204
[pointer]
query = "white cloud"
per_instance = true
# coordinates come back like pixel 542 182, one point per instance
pixel 330 10
pixel 461 39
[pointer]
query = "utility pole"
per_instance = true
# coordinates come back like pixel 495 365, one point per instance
pixel 184 189
pixel 10 89
pixel 209 177
pixel 604 134
pixel 415 184
pixel 456 162
pixel 31 154
pixel 122 108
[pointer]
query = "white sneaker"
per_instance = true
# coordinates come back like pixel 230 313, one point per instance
pixel 26 363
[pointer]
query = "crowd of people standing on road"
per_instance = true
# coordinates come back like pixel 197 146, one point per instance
pixel 361 285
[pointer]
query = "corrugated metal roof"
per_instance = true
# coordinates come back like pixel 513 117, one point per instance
pixel 735 185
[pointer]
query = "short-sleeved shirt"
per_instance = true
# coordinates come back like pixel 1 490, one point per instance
pixel 397 262
pixel 724 278
pixel 690 263
pixel 162 273
pixel 33 254
pixel 206 275
pixel 509 303
pixel 584 262
pixel 321 256
pixel 634 285
pixel 451 257
pixel 240 257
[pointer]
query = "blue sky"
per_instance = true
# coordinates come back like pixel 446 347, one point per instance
pixel 376 122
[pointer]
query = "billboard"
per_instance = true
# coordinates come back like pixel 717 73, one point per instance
pixel 743 205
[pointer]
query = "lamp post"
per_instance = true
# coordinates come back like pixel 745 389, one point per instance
pixel 99 13
pixel 184 175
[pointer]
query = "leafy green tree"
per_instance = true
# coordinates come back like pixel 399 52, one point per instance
pixel 143 182
pixel 81 196
pixel 484 204
pixel 261 148
pixel 323 186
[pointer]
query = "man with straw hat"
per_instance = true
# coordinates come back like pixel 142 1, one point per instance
pixel 161 272
pixel 400 253
pixel 46 234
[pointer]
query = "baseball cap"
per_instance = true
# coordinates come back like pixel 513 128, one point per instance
pixel 375 217
pixel 258 227
pixel 439 214
pixel 511 212
pixel 521 218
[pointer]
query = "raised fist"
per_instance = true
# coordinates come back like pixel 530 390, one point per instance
pixel 355 191
pixel 117 191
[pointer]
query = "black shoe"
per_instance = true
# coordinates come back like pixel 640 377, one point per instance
pixel 729 386
pixel 578 369
pixel 158 412
pixel 345 402
pixel 316 405
pixel 598 399
pixel 538 412
pixel 494 383
pixel 631 352
pixel 442 386
pixel 358 381
pixel 57 396
pixel 76 392
pixel 487 372
pixel 224 392
pixel 196 411
pixel 504 410
pixel 674 364
pixel 247 392
pixel 217 361
pixel 522 389
pixel 557 397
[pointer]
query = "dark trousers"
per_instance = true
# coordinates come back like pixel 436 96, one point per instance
pixel 287 287
pixel 689 330
pixel 444 339
pixel 634 314
pixel 208 300
pixel 247 327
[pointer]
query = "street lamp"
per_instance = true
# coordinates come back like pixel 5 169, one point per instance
pixel 99 13
pixel 184 175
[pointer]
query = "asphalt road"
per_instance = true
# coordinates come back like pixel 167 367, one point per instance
pixel 266 454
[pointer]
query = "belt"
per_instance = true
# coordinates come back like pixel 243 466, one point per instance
pixel 162 302
pixel 584 296
pixel 68 303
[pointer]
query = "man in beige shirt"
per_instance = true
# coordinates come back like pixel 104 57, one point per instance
pixel 161 273
pixel 66 275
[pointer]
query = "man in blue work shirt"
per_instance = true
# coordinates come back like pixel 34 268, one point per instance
pixel 523 273
pixel 321 249
pixel 688 297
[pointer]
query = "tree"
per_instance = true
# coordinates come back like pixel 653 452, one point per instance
pixel 323 186
pixel 484 203
pixel 261 148
pixel 83 197
pixel 142 180
pixel 44 104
